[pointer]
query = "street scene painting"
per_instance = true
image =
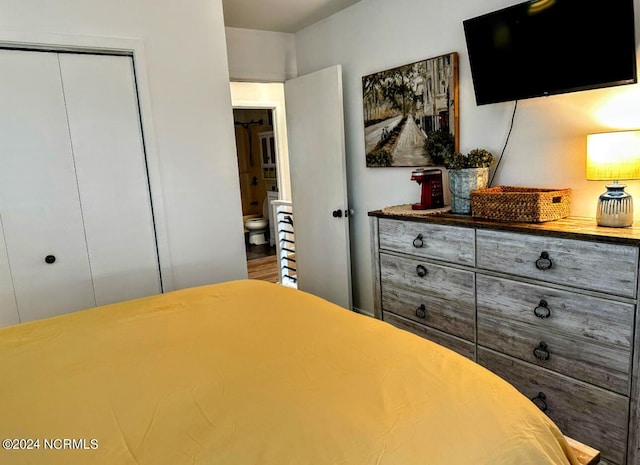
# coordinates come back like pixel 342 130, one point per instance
pixel 411 113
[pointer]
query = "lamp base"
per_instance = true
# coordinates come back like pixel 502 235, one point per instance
pixel 615 207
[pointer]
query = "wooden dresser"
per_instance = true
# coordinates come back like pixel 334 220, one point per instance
pixel 550 307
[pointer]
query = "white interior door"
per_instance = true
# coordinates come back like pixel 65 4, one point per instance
pixel 315 127
pixel 108 150
pixel 39 201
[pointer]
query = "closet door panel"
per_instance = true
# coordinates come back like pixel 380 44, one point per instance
pixel 39 201
pixel 108 149
pixel 8 308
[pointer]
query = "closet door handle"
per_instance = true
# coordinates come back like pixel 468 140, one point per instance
pixel 50 259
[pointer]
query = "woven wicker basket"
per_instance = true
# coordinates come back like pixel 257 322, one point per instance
pixel 521 204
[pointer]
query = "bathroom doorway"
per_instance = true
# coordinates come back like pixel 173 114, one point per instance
pixel 258 178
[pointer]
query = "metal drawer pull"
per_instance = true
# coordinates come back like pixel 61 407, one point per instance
pixel 421 312
pixel 541 401
pixel 541 352
pixel 421 270
pixel 544 263
pixel 418 242
pixel 49 259
pixel 542 310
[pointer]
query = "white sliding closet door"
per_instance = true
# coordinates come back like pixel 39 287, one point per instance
pixel 8 308
pixel 75 209
pixel 39 201
pixel 104 124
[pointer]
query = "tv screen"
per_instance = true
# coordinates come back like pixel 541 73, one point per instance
pixel 545 47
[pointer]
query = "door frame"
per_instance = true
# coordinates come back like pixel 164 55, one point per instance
pixel 54 42
pixel 268 96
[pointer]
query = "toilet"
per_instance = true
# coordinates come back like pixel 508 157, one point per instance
pixel 257 227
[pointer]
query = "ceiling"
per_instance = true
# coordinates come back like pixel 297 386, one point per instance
pixel 279 15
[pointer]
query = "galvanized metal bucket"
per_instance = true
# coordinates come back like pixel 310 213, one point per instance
pixel 461 183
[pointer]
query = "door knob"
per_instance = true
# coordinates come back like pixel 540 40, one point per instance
pixel 337 213
pixel 50 259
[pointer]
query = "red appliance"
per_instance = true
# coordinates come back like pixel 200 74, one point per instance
pixel 431 182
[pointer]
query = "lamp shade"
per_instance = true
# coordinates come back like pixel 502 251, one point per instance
pixel 613 156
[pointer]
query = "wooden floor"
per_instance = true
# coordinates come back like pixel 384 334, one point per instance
pixel 259 251
pixel 264 269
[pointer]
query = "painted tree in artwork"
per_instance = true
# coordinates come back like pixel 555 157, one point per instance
pixel 372 96
pixel 390 92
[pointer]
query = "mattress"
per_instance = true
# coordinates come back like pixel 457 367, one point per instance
pixel 249 372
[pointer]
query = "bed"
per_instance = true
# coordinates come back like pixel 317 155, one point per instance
pixel 248 372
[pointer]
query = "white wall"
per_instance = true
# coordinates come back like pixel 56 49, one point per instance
pixel 547 146
pixel 260 56
pixel 190 108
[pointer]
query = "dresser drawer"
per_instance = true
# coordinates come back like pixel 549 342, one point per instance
pixel 468 349
pixel 584 412
pixel 610 268
pixel 444 298
pixel 568 313
pixel 446 243
pixel 604 366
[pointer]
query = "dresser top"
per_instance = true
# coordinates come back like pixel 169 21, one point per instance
pixel 571 227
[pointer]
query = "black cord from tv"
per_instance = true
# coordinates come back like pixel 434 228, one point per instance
pixel 513 115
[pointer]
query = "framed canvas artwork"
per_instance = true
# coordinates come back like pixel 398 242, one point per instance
pixel 411 113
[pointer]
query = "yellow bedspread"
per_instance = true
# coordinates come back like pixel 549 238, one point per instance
pixel 247 373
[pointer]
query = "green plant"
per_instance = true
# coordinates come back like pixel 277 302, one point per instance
pixel 477 158
pixel 439 144
pixel 379 158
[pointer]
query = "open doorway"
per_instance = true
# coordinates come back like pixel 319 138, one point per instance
pixel 315 172
pixel 269 97
pixel 258 179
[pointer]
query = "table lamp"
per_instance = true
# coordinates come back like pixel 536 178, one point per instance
pixel 613 156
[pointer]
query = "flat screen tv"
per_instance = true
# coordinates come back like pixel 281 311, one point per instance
pixel 545 47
